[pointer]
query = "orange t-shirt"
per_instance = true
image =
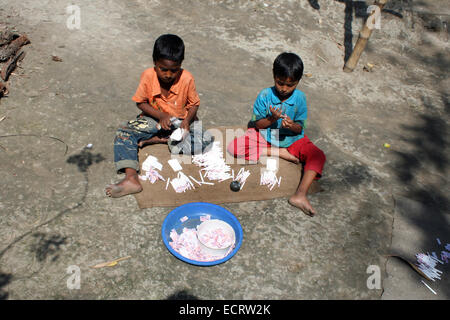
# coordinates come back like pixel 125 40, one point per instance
pixel 182 94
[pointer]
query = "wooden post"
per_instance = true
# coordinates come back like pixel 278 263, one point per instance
pixel 364 36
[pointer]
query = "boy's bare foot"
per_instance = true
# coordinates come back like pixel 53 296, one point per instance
pixel 279 152
pixel 152 140
pixel 284 154
pixel 301 202
pixel 127 186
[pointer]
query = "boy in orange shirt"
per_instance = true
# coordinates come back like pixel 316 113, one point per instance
pixel 165 93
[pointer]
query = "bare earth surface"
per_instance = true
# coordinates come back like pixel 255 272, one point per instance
pixel 53 210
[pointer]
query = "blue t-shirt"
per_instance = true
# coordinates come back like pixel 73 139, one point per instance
pixel 294 107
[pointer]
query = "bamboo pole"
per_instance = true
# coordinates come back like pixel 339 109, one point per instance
pixel 363 38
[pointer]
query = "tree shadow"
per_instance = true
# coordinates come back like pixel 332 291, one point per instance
pixel 85 159
pixel 430 147
pixel 5 278
pixel 182 295
pixel 359 9
pixel 429 143
pixel 47 245
pixel 421 167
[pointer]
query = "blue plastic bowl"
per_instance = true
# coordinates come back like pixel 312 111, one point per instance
pixel 194 211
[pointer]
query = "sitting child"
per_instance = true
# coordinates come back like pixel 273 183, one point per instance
pixel 166 95
pixel 279 116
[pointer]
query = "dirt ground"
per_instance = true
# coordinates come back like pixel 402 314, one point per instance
pixel 53 210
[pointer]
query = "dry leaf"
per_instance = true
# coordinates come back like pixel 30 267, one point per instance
pixel 368 67
pixel 56 58
pixel 111 263
pixel 309 75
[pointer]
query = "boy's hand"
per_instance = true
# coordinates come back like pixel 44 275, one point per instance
pixel 276 113
pixel 164 121
pixel 184 125
pixel 287 122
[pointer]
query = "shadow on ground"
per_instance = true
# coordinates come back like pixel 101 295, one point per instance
pixel 85 159
pixel 422 167
pixel 5 278
pixel 182 295
pixel 47 245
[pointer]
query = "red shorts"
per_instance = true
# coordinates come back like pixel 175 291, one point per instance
pixel 252 143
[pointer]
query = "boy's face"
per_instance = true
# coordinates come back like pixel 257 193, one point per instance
pixel 285 87
pixel 167 70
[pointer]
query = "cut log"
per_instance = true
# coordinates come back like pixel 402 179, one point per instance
pixel 361 43
pixel 11 65
pixel 10 51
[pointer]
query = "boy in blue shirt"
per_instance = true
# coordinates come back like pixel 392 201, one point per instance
pixel 279 114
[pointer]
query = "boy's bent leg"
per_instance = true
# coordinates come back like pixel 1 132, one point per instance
pixel 129 185
pixel 126 160
pixel 149 132
pixel 299 198
pixel 251 146
pixel 283 153
pixel 153 140
pixel 314 161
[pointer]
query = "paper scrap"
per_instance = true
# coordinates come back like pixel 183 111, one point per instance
pixel 428 287
pixel 272 164
pixel 175 165
pixel 151 162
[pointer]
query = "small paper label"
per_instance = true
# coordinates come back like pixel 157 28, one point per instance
pixel 272 164
pixel 175 165
pixel 151 162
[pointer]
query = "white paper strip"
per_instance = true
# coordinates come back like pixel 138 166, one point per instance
pixel 428 287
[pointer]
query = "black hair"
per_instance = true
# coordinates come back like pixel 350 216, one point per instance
pixel 170 47
pixel 288 65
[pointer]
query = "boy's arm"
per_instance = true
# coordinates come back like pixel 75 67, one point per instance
pixel 192 112
pixel 192 104
pixel 266 122
pixel 297 124
pixel 148 110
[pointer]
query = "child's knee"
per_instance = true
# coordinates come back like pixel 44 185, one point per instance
pixel 121 136
pixel 321 156
pixel 315 153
